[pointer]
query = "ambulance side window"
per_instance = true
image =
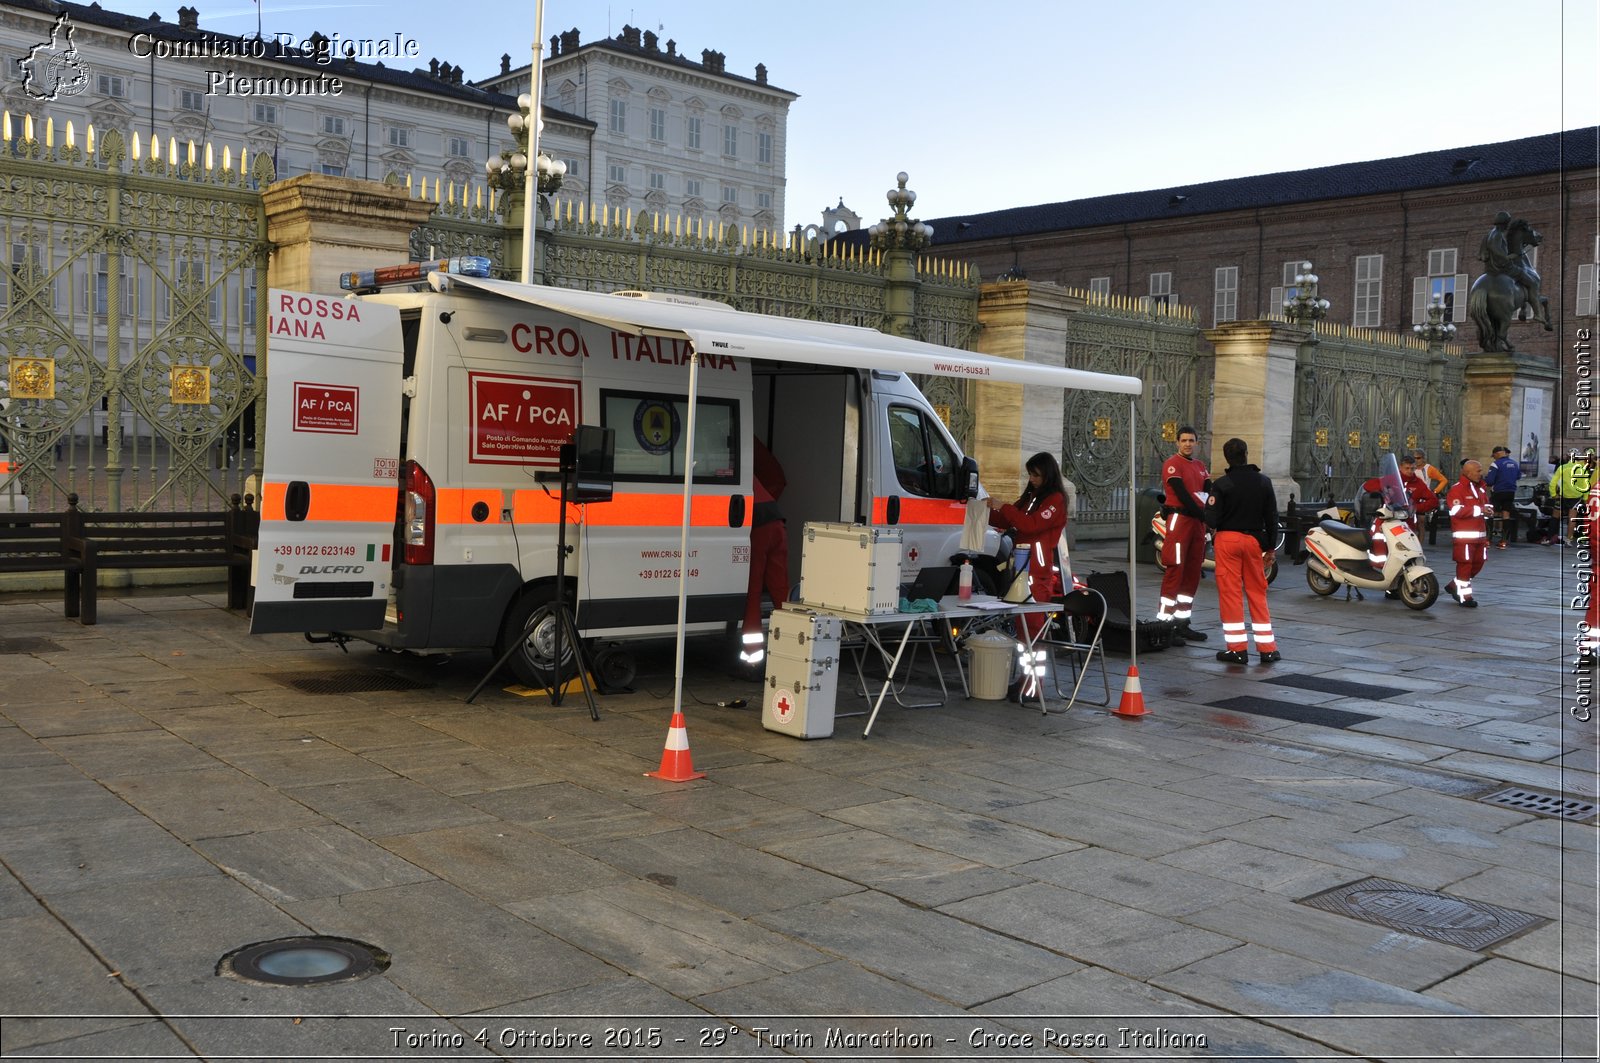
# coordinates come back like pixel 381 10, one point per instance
pixel 924 462
pixel 651 431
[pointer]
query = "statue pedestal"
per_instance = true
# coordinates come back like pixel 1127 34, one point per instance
pixel 1254 395
pixel 1508 401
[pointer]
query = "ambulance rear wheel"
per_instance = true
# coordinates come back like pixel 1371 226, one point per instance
pixel 531 626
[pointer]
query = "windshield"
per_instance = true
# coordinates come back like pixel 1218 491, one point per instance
pixel 1393 487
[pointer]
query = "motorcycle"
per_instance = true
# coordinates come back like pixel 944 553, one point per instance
pixel 1336 553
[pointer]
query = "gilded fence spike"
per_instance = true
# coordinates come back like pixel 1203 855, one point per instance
pixel 227 158
pixel 5 126
pixel 88 140
pixel 70 138
pixel 49 133
pixel 210 165
pixel 190 159
pixel 27 127
pixel 172 152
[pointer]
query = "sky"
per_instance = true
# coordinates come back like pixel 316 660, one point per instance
pixel 1039 101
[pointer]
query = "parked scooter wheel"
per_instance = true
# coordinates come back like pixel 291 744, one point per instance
pixel 1420 593
pixel 1320 582
pixel 1272 570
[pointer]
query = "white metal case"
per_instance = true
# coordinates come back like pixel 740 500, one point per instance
pixel 802 673
pixel 853 569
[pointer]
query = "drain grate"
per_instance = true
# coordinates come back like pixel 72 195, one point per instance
pixel 27 644
pixel 1542 804
pixel 346 682
pixel 1424 913
pixel 1288 710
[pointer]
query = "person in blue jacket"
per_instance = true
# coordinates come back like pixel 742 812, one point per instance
pixel 1501 480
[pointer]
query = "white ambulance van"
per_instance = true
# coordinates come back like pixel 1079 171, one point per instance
pixel 402 503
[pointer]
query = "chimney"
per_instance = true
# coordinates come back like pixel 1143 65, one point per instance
pixel 188 18
pixel 630 36
pixel 650 40
pixel 761 73
pixel 505 60
pixel 433 67
pixel 672 48
pixel 569 41
pixel 713 61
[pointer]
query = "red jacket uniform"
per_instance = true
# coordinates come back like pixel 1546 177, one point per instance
pixel 1038 529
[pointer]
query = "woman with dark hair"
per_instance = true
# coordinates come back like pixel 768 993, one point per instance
pixel 1036 522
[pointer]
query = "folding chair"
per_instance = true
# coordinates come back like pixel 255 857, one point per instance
pixel 1077 630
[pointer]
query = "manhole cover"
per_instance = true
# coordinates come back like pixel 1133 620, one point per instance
pixel 27 644
pixel 1541 804
pixel 1425 913
pixel 303 961
pixel 347 682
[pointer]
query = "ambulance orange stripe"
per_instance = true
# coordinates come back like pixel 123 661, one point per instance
pixel 921 511
pixel 335 502
pixel 629 510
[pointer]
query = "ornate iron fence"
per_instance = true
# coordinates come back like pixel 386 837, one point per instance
pixel 134 279
pixel 1162 346
pixel 1361 394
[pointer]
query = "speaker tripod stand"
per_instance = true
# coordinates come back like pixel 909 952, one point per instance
pixel 566 628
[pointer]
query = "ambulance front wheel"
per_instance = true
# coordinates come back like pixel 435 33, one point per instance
pixel 531 626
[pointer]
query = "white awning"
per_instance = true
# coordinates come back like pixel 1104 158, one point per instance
pixel 715 329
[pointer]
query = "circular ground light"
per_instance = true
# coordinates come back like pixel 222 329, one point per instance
pixel 303 961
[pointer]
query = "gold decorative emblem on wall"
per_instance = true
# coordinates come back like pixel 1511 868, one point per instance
pixel 943 410
pixel 1102 428
pixel 1447 444
pixel 1411 441
pixel 1322 437
pixel 1353 439
pixel 191 385
pixel 33 378
pixel 1383 440
pixel 1169 431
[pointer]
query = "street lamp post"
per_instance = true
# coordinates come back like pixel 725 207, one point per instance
pixel 1305 308
pixel 1436 330
pixel 511 175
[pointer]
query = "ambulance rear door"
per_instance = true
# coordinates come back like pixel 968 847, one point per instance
pixel 330 483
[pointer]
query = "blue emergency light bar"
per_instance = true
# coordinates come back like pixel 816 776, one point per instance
pixel 366 280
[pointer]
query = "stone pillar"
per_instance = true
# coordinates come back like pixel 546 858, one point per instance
pixel 323 226
pixel 1023 322
pixel 1254 394
pixel 1508 398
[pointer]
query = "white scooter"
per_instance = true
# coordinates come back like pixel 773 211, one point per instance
pixel 1336 553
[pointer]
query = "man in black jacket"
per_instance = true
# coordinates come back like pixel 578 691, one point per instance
pixel 1243 513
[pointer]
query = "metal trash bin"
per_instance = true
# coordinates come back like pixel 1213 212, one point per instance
pixel 989 654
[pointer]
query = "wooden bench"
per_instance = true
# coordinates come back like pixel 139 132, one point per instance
pixel 36 542
pixel 129 540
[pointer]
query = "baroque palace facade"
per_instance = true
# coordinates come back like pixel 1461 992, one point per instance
pixel 1385 238
pixel 638 125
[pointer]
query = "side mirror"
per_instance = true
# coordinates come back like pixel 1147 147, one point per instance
pixel 969 472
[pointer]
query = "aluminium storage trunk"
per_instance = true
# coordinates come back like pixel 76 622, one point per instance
pixel 802 673
pixel 851 569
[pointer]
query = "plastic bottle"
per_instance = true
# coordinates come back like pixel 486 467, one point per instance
pixel 965 585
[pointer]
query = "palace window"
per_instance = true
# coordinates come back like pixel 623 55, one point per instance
pixel 1442 283
pixel 1161 289
pixel 658 124
pixel 191 100
pixel 693 139
pixel 619 117
pixel 1369 291
pixel 1224 294
pixel 764 147
pixel 1588 296
pixel 730 141
pixel 459 147
pixel 1099 285
pixel 265 114
pixel 333 125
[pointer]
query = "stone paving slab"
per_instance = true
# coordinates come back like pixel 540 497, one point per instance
pixel 977 838
pixel 1122 831
pixel 1278 923
pixel 148 1039
pixel 383 807
pixel 1150 886
pixel 686 948
pixel 303 761
pixel 210 803
pixel 453 952
pixel 103 755
pixel 971 787
pixel 567 812
pixel 501 862
pixel 1261 869
pixel 1342 1009
pixel 1546 777
pixel 894 866
pixel 309 862
pixel 1364 856
pixel 1094 931
pixel 1478 741
pixel 718 872
pixel 92 853
pixel 925 949
pixel 45 971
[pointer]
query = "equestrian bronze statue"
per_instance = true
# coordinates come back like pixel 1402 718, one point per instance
pixel 1508 285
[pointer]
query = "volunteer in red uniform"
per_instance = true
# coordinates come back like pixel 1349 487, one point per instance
pixel 1036 522
pixel 1469 509
pixel 769 553
pixel 1422 498
pixel 1183 550
pixel 1243 511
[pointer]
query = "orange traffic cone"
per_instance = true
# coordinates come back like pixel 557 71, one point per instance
pixel 1132 696
pixel 676 766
